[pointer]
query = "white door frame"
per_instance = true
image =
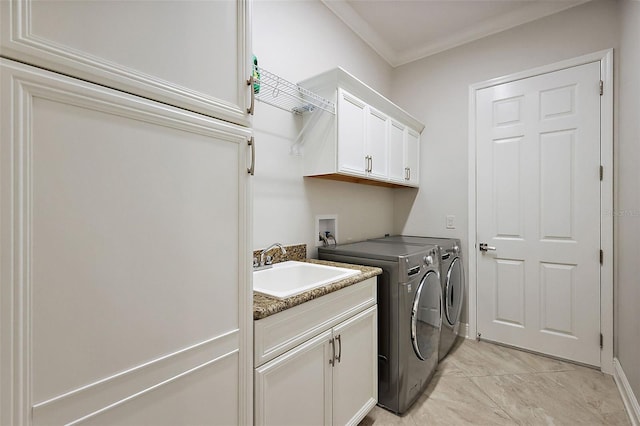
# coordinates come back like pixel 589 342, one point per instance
pixel 605 57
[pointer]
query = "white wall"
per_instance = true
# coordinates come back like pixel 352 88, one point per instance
pixel 435 90
pixel 296 40
pixel 627 205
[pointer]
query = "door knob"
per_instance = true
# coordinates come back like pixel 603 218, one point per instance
pixel 485 247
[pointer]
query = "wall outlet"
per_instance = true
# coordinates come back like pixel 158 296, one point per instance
pixel 451 222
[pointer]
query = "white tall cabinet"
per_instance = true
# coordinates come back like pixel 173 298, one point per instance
pixel 125 281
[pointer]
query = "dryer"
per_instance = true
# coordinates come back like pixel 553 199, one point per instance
pixel 453 283
pixel 409 315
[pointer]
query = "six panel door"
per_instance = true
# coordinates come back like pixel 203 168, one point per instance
pixel 538 205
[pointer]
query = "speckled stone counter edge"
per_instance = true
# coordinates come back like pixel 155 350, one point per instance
pixel 264 306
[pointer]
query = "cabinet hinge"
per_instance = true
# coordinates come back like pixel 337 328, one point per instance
pixel 601 340
pixel 601 257
pixel 601 172
pixel 601 87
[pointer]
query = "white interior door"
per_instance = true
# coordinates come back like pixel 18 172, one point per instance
pixel 538 205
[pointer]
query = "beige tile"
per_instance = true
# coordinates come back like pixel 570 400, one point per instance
pixel 541 398
pixel 617 418
pixel 596 389
pixel 485 359
pixel 456 401
pixel 381 417
pixel 480 383
pixel 538 363
pixel 449 367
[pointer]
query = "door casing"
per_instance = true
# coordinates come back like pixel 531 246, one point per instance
pixel 605 57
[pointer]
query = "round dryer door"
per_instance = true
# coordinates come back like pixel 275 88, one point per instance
pixel 426 316
pixel 453 292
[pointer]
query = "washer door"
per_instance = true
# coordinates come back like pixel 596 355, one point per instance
pixel 453 292
pixel 426 316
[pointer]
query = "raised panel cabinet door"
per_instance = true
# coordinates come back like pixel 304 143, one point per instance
pixel 192 54
pixel 396 152
pixel 351 116
pixel 125 282
pixel 412 158
pixel 377 144
pixel 355 375
pixel 295 388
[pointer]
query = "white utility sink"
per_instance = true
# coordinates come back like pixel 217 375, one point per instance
pixel 290 278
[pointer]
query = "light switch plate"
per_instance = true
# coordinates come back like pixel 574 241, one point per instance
pixel 451 222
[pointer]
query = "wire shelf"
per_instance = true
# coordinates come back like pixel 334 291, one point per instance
pixel 280 93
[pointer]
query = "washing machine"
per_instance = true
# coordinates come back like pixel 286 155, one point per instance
pixel 409 315
pixel 453 283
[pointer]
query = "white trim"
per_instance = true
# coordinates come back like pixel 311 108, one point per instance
pixel 463 331
pixel 494 25
pixel 626 392
pixel 395 58
pixel 605 57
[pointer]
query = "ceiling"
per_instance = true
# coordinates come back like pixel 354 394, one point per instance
pixel 403 31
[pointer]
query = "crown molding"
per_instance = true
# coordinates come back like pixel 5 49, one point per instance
pixel 352 19
pixel 528 13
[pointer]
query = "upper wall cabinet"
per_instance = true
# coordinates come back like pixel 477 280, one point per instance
pixel 200 59
pixel 369 140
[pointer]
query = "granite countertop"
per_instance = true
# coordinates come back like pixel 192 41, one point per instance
pixel 264 306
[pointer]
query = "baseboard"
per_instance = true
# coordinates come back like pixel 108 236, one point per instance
pixel 463 330
pixel 628 397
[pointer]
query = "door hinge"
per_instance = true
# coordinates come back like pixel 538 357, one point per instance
pixel 601 87
pixel 601 340
pixel 601 172
pixel 601 257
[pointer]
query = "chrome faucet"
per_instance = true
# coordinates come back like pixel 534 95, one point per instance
pixel 269 260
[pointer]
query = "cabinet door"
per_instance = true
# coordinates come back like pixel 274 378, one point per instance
pixel 295 388
pixel 192 54
pixel 351 134
pixel 355 376
pixel 377 143
pixel 412 158
pixel 124 300
pixel 396 152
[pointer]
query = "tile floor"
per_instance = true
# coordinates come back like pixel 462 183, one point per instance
pixel 480 383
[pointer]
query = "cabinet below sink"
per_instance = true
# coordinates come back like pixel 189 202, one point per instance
pixel 316 363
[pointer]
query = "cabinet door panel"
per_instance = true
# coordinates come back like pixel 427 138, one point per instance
pixel 351 134
pixel 192 54
pixel 117 269
pixel 412 159
pixel 295 388
pixel 355 377
pixel 396 152
pixel 377 143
